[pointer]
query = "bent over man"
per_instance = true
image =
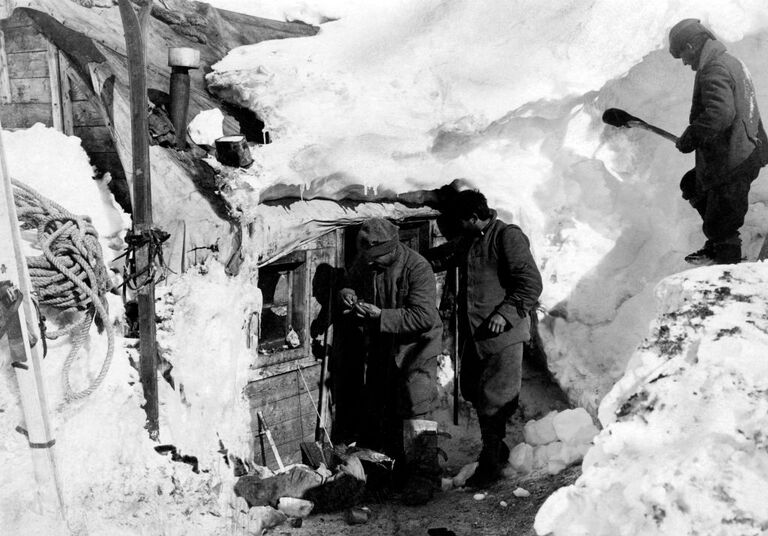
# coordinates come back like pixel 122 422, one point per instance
pixel 499 284
pixel 727 134
pixel 391 291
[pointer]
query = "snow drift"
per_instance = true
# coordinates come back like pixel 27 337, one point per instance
pixel 683 449
pixel 401 96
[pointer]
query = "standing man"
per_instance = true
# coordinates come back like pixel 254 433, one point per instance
pixel 499 284
pixel 391 292
pixel 727 134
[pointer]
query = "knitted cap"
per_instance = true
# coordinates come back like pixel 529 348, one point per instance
pixel 683 33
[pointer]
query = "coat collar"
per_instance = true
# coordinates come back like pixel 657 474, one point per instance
pixel 491 223
pixel 711 49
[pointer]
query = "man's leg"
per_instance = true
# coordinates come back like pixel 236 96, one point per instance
pixel 420 445
pixel 726 207
pixel 498 395
pixel 698 200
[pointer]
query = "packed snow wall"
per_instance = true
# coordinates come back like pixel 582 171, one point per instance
pixel 402 96
pixel 683 449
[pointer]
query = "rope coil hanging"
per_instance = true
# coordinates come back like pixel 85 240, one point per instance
pixel 70 275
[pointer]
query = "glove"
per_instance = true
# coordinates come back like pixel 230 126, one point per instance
pixel 686 144
pixel 688 185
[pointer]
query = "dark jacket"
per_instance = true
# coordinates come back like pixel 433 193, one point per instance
pixel 725 125
pixel 497 275
pixel 410 325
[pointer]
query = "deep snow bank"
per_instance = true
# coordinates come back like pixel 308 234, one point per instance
pixel 402 95
pixel 683 449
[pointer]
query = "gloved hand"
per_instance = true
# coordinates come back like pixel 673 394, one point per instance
pixel 686 144
pixel 348 297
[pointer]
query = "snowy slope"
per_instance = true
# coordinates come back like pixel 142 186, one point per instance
pixel 403 95
pixel 684 448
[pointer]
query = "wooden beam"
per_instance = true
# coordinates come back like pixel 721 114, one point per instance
pixel 66 101
pixel 52 57
pixel 5 83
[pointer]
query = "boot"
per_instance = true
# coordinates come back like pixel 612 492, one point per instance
pixel 703 257
pixel 421 461
pixel 727 253
pixel 494 455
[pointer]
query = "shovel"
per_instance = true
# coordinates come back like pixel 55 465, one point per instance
pixel 619 118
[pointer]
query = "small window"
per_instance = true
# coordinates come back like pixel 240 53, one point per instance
pixel 283 312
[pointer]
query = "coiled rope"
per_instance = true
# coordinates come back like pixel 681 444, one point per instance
pixel 70 275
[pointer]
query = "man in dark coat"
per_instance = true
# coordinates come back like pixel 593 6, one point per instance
pixel 499 284
pixel 391 291
pixel 727 134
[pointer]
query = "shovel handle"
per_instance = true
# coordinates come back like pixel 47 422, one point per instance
pixel 656 130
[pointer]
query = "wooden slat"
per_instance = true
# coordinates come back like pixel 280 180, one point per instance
pixel 286 409
pixel 5 83
pixel 85 115
pixel 28 65
pixel 25 90
pixel 282 386
pixel 24 39
pixel 287 435
pixel 24 115
pixel 95 139
pixel 66 101
pixel 52 58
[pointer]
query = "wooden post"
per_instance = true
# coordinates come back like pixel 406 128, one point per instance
pixel 135 29
pixel 456 350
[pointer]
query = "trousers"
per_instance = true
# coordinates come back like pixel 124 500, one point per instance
pixel 491 384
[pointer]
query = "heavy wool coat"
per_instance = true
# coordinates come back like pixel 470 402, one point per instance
pixel 499 276
pixel 725 126
pixel 410 324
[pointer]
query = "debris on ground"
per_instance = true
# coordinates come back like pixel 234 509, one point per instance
pixel 521 492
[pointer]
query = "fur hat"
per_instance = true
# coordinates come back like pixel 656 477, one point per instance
pixel 683 33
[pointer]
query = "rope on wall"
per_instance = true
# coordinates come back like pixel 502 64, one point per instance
pixel 70 275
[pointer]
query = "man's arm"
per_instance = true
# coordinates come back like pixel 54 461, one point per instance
pixel 521 280
pixel 418 313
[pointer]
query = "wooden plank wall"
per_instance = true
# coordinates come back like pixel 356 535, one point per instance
pixel 25 75
pixel 288 411
pixel 38 85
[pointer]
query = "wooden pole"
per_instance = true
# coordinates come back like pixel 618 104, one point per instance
pixel 135 29
pixel 456 352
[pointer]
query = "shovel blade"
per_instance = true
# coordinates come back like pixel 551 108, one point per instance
pixel 618 118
